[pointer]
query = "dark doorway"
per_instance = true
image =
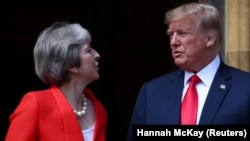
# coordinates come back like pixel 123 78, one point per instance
pixel 129 35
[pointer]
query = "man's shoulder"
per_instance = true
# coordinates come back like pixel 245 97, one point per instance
pixel 167 77
pixel 234 71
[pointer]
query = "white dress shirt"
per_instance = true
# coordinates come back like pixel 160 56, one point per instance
pixel 206 75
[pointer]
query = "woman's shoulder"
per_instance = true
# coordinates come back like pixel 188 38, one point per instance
pixel 38 93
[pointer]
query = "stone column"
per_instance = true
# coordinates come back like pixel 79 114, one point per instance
pixel 237 33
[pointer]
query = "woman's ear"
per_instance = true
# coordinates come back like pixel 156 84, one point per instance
pixel 73 69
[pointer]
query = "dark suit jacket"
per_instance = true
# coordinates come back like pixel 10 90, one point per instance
pixel 227 103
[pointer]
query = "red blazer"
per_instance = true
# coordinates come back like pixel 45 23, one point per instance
pixel 47 116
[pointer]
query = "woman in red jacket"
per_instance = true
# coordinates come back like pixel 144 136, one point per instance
pixel 67 111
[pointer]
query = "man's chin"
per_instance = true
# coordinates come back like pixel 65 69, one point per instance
pixel 180 63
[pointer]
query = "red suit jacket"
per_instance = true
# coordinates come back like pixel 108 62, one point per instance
pixel 47 116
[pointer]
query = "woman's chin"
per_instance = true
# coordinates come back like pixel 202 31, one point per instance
pixel 96 76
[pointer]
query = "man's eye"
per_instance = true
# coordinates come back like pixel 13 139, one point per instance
pixel 170 35
pixel 182 34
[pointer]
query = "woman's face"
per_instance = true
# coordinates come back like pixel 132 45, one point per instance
pixel 88 63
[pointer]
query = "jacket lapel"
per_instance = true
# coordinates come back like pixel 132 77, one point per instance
pixel 72 130
pixel 217 92
pixel 174 98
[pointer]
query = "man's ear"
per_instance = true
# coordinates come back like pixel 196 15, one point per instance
pixel 211 39
pixel 73 69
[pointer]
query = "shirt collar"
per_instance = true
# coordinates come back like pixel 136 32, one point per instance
pixel 207 73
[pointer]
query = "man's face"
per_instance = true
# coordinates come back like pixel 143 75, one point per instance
pixel 187 43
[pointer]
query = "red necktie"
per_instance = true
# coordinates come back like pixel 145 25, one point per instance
pixel 189 106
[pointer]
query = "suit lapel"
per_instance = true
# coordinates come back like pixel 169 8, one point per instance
pixel 174 98
pixel 215 97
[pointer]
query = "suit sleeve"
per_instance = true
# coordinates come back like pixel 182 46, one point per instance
pixel 139 113
pixel 24 121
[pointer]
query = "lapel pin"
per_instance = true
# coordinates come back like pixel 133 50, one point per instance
pixel 222 86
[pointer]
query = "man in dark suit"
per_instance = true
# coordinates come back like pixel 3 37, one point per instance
pixel 223 91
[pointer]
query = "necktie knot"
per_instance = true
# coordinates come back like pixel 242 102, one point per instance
pixel 194 79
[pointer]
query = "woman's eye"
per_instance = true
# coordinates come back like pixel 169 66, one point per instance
pixel 89 50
